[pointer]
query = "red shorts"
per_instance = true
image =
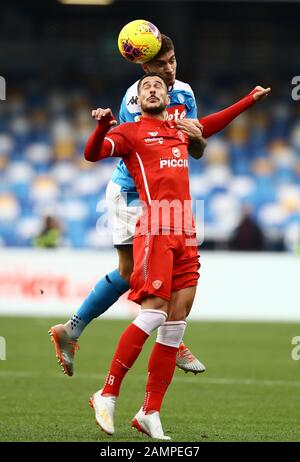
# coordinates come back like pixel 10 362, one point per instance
pixel 162 265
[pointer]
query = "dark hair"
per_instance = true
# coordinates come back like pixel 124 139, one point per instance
pixel 166 45
pixel 151 74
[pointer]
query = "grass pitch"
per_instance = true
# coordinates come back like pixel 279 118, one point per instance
pixel 250 391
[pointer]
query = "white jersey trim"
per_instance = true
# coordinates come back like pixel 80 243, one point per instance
pixel 132 93
pixel 144 178
pixel 178 85
pixel 112 146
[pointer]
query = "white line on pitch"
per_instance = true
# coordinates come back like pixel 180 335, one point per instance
pixel 199 380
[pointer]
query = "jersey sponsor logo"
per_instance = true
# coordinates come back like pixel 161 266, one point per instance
pixel 157 284
pixel 154 140
pixel 176 112
pixel 153 133
pixel 173 163
pixel 133 100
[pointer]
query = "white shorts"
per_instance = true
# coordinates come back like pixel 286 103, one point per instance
pixel 123 216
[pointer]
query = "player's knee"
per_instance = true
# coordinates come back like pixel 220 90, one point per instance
pixel 188 310
pixel 155 303
pixel 177 317
pixel 148 320
pixel 125 272
pixel 181 304
pixel 177 313
pixel 125 268
pixel 125 264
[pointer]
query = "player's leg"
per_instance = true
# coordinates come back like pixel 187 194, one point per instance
pixel 161 366
pixel 152 281
pixel 186 277
pixel 129 347
pixel 125 255
pixel 153 313
pixel 131 341
pixel 185 360
pixel 105 293
pixel 109 288
pixel 179 306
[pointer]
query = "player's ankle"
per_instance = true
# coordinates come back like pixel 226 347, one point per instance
pixel 74 327
pixel 152 411
pixel 108 395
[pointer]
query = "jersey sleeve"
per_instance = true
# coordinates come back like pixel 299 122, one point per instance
pixel 103 143
pixel 216 122
pixel 191 105
pixel 119 142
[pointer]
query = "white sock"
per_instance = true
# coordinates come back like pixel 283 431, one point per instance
pixel 149 320
pixel 74 327
pixel 171 333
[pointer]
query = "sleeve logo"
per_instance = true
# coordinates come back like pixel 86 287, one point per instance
pixel 133 100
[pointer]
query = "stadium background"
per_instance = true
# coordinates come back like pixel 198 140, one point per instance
pixel 59 61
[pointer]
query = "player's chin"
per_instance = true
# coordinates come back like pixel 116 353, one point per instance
pixel 154 108
pixel 170 79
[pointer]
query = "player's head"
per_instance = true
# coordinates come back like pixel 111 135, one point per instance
pixel 164 62
pixel 153 93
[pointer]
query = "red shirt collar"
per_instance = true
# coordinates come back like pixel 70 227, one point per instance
pixel 155 122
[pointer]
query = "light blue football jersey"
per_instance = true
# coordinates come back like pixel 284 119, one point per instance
pixel 182 104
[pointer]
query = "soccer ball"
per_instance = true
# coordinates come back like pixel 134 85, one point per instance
pixel 139 41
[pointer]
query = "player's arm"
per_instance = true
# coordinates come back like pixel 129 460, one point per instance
pixel 218 121
pixel 197 147
pixel 102 144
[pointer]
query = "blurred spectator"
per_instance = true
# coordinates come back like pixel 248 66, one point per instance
pixel 50 236
pixel 247 236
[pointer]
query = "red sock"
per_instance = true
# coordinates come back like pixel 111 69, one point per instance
pixel 161 368
pixel 129 347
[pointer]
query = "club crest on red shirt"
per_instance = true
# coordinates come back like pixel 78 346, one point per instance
pixel 176 152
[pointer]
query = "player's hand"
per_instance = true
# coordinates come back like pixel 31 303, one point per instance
pixel 102 114
pixel 262 93
pixel 196 123
pixel 191 127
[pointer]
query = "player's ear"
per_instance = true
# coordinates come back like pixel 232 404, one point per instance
pixel 145 68
pixel 168 100
pixel 138 101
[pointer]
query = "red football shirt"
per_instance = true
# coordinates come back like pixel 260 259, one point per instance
pixel 156 155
